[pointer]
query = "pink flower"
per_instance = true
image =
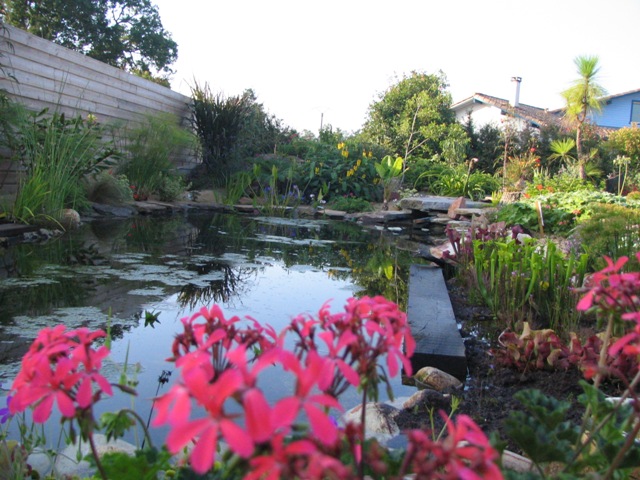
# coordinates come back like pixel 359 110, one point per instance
pixel 60 367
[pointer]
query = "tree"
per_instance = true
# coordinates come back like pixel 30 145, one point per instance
pixel 124 33
pixel 582 99
pixel 414 118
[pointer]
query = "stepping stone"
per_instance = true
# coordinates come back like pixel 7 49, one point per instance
pixel 433 324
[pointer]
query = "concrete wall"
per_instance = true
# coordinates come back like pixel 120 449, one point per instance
pixel 48 75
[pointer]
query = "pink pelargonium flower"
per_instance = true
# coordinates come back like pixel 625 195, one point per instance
pixel 174 408
pixel 60 367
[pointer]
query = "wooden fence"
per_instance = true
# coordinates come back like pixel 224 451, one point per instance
pixel 40 74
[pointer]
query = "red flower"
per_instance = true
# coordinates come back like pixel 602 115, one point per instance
pixel 60 367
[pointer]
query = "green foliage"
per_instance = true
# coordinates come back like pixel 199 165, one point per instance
pixel 57 153
pixel 583 98
pixel 542 430
pixel 521 282
pixel 144 465
pixel 591 448
pixel 612 230
pixel 124 33
pixel 217 121
pixel 351 204
pixel 150 148
pixel 12 119
pixel 439 178
pixel 413 117
pixel 561 211
pixel 347 168
pixel 389 170
pixel 108 188
pixel 485 144
pixel 543 184
pixel 260 133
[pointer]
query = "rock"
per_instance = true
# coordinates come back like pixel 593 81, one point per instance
pixel 517 463
pixel 459 202
pixel 114 210
pixel 426 399
pixel 69 219
pixel 66 465
pixel 41 462
pixel 380 420
pixel 431 377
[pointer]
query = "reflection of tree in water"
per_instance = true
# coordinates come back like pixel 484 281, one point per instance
pixel 218 291
pixel 384 271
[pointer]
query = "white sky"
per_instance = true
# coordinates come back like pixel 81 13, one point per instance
pixel 305 59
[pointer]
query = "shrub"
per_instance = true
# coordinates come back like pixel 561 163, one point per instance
pixel 612 230
pixel 108 188
pixel 351 204
pixel 456 181
pixel 150 148
pixel 561 211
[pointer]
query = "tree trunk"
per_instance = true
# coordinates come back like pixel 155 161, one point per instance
pixel 582 173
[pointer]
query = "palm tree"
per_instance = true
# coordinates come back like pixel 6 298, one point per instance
pixel 582 99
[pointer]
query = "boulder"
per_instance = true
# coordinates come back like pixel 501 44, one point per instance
pixel 69 219
pixel 380 420
pixel 436 379
pixel 67 466
pixel 459 202
pixel 427 399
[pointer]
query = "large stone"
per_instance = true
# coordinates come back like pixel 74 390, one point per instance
pixel 67 466
pixel 459 202
pixel 69 219
pixel 380 420
pixel 436 379
pixel 427 399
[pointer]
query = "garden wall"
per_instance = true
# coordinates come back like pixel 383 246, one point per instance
pixel 41 74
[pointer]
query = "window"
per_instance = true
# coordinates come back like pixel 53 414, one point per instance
pixel 635 111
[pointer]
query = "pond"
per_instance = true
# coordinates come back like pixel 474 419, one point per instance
pixel 122 272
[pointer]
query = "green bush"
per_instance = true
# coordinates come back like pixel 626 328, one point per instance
pixel 561 211
pixel 149 149
pixel 611 230
pixel 440 178
pixel 562 182
pixel 347 168
pixel 108 188
pixel 351 204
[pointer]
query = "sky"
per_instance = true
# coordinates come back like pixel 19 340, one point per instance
pixel 313 63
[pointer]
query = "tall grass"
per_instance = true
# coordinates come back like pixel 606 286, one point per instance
pixel 149 150
pixel 56 153
pixel 217 121
pixel 529 282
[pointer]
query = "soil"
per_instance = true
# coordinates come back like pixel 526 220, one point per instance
pixel 488 392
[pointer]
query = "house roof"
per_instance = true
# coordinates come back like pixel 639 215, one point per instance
pixel 610 97
pixel 536 116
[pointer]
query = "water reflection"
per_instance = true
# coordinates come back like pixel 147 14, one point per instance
pixel 112 271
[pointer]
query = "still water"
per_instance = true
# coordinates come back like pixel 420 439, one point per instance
pixel 117 272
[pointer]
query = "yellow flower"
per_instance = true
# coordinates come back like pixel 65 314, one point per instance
pixel 359 162
pixel 345 153
pixel 340 145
